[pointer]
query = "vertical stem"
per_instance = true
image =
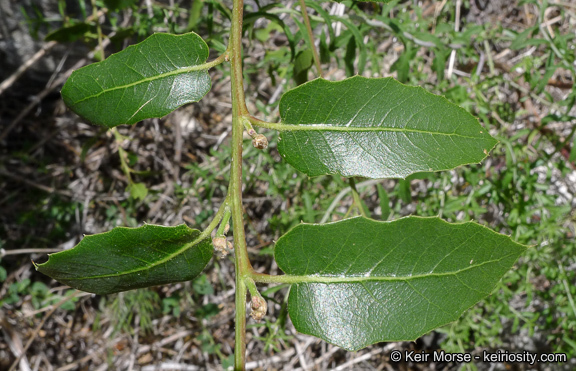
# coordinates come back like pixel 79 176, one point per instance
pixel 240 337
pixel 243 267
pixel 238 100
pixel 304 11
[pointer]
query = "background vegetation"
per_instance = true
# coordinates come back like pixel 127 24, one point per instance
pixel 511 63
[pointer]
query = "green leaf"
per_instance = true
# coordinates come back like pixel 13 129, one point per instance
pixel 117 5
pixel 524 39
pixel 195 14
pixel 375 128
pixel 138 191
pixel 120 35
pixel 150 79
pixel 350 56
pixel 404 191
pixel 302 64
pixel 251 18
pixel 327 20
pixel 572 157
pixel 324 49
pixel 384 202
pixel 69 33
pixel 402 64
pixel 428 37
pixel 129 258
pixel 362 52
pixel 358 282
pixel 541 83
pixel 439 62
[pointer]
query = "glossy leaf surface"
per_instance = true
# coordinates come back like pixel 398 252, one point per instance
pixel 358 281
pixel 129 258
pixel 376 128
pixel 150 79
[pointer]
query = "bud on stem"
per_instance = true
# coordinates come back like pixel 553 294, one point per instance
pixel 259 308
pixel 259 141
pixel 257 303
pixel 221 245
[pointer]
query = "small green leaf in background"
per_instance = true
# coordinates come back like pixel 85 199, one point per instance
pixel 439 62
pixel 525 39
pixel 402 64
pixel 171 305
pixel 384 202
pixel 202 286
pixel 149 79
pixel 404 190
pixel 69 33
pixel 572 157
pixel 251 18
pixel 376 128
pixel 358 281
pixel 428 37
pixel 324 49
pixel 138 191
pixel 302 64
pixel 116 5
pixel 195 14
pixel 129 258
pixel 3 274
pixel 359 43
pixel 541 82
pixel 120 35
pixel 350 56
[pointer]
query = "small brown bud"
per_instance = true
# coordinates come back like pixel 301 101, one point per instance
pixel 226 228
pixel 259 308
pixel 220 244
pixel 229 245
pixel 259 141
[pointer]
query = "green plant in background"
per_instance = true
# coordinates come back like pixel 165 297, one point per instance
pixel 352 283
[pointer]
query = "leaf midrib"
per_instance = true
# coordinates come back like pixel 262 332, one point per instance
pixel 352 129
pixel 288 278
pixel 179 71
pixel 168 257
